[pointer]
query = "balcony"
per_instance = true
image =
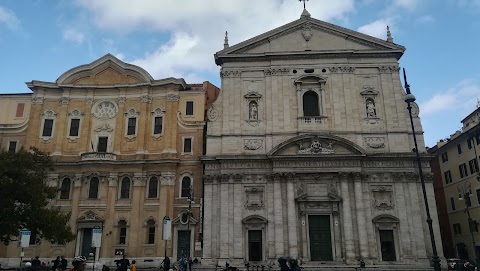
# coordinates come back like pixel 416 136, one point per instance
pixel 96 156
pixel 311 120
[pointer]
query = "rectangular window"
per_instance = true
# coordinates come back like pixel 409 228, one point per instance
pixel 469 143
pixel 189 108
pixel 448 177
pixel 463 170
pixel 444 157
pixel 452 202
pixel 457 229
pixel 123 236
pixel 33 238
pixel 47 127
pixel 12 146
pixel 474 226
pixel 74 126
pixel 473 164
pixel 478 196
pixel 478 138
pixel 187 145
pixel 102 144
pixel 151 235
pixel 20 109
pixel 157 129
pixel 459 148
pixel 132 122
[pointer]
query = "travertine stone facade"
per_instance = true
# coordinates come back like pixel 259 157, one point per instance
pixel 309 153
pixel 126 149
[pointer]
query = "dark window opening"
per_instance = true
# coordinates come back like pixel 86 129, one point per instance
pixel 153 188
pixel 93 189
pixel 12 146
pixel 189 108
pixel 151 231
pixel 187 145
pixel 74 126
pixel 310 104
pixel 65 189
pixel 132 122
pixel 452 202
pixel 102 144
pixel 125 188
pixel 186 183
pixel 47 127
pixel 122 240
pixel 157 129
pixel 459 149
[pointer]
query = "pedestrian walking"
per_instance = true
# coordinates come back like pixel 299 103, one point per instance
pixel 79 263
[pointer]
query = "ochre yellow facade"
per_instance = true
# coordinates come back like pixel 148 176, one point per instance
pixel 138 144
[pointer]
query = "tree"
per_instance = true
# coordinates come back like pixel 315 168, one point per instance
pixel 25 198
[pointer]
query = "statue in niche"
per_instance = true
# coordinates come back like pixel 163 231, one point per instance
pixel 371 111
pixel 253 111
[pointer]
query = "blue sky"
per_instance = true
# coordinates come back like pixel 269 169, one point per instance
pixel 41 39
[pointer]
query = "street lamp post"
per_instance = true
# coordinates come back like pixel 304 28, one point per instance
pixel 190 199
pixel 409 98
pixel 465 192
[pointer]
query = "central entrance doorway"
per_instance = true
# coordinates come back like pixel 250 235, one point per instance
pixel 320 238
pixel 255 245
pixel 183 245
pixel 87 242
pixel 387 245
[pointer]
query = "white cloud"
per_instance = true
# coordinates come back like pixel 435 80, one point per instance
pixel 9 18
pixel 463 95
pixel 377 28
pixel 407 4
pixel 196 28
pixel 73 35
pixel 425 19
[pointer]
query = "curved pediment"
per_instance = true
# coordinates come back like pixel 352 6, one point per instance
pixel 316 144
pixel 107 70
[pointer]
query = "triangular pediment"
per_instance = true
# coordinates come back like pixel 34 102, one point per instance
pixel 309 36
pixel 107 70
pixel 316 145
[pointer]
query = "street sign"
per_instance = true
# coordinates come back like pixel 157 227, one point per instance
pixel 96 236
pixel 25 238
pixel 167 229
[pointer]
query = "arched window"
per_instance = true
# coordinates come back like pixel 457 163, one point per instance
pixel 122 232
pixel 186 183
pixel 65 189
pixel 310 104
pixel 151 231
pixel 93 188
pixel 153 188
pixel 125 188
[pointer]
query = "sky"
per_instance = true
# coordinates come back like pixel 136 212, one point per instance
pixel 41 39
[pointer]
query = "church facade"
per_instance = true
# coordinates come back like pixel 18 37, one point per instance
pixel 309 153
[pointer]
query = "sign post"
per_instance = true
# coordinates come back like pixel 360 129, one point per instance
pixel 25 235
pixel 166 231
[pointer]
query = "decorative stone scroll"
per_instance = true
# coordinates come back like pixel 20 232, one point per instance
pixel 37 100
pixel 252 144
pixel 375 142
pixel 146 98
pixel 388 69
pixel 276 71
pixel 342 69
pixel 254 198
pixel 104 110
pixel 173 97
pixel 64 100
pixel 230 73
pixel 212 113
pixel 382 198
pixel 315 147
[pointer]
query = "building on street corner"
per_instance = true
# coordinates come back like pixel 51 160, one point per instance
pixel 126 149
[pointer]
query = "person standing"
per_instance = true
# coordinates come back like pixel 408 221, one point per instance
pixel 36 264
pixel 133 266
pixel 166 263
pixel 79 263
pixel 63 263
pixel 56 264
pixel 124 263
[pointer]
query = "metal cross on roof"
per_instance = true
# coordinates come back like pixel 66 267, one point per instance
pixel 303 3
